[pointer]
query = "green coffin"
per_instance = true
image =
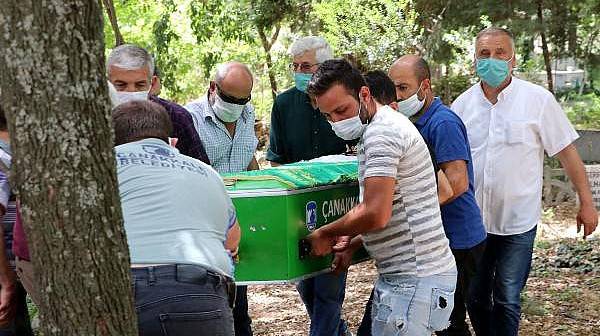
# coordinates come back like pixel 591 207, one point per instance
pixel 278 207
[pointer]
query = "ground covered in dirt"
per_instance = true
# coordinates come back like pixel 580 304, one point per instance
pixel 562 295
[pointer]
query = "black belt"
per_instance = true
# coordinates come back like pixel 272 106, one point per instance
pixel 186 273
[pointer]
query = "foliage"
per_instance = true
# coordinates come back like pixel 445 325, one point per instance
pixel 449 88
pixel 371 33
pixel 583 110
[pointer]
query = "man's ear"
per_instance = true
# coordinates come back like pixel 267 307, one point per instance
pixel 153 84
pixel 394 105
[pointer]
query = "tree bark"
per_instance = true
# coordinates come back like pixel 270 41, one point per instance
pixel 112 16
pixel 267 47
pixel 540 17
pixel 54 91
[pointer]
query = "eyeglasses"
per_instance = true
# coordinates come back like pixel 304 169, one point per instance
pixel 302 66
pixel 232 100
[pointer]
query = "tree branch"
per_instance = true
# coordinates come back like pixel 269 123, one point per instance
pixel 112 16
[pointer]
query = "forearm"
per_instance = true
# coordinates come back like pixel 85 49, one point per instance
pixel 253 164
pixel 575 170
pixel 357 221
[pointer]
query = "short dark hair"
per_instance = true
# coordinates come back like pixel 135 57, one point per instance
pixel 3 123
pixel 422 70
pixel 381 86
pixel 333 72
pixel 140 119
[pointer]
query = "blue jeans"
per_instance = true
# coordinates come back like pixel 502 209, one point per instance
pixel 408 305
pixel 182 300
pixel 323 296
pixel 495 306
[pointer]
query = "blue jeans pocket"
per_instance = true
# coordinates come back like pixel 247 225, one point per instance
pixel 390 313
pixel 442 303
pixel 181 324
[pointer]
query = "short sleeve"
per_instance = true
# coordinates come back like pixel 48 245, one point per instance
pixel 231 214
pixel 556 132
pixel 382 153
pixel 449 142
pixel 275 151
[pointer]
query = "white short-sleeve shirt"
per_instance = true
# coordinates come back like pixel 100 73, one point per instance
pixel 508 140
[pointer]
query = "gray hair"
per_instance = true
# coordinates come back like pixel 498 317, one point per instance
pixel 322 49
pixel 224 68
pixel 140 119
pixel 130 57
pixel 496 31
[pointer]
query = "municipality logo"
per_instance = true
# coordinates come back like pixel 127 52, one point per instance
pixel 311 215
pixel 157 150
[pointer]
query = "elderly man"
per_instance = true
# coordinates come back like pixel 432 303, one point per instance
pixel 182 271
pixel 446 135
pixel 510 123
pixel 131 70
pixel 224 119
pixel 299 132
pixel 398 216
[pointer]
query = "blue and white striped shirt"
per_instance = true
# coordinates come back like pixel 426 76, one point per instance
pixel 226 154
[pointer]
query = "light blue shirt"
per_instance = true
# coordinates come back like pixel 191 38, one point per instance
pixel 176 209
pixel 226 154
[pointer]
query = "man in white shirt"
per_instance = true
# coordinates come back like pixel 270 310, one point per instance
pixel 510 123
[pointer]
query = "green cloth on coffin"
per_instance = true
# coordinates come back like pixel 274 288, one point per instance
pixel 294 176
pixel 277 207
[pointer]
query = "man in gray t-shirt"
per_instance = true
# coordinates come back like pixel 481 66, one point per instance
pixel 180 222
pixel 398 219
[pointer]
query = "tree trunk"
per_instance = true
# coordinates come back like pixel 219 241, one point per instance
pixel 540 17
pixel 267 47
pixel 112 16
pixel 54 91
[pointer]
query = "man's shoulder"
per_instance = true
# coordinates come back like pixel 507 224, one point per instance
pixel 170 106
pixel 469 93
pixel 532 90
pixel 288 96
pixel 445 114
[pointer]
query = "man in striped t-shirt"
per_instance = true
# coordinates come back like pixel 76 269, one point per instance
pixel 398 219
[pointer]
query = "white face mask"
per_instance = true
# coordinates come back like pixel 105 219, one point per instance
pixel 351 128
pixel 411 105
pixel 125 96
pixel 225 111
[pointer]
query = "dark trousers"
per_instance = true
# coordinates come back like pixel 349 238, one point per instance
pixel 323 296
pixel 241 318
pixel 468 263
pixel 364 329
pixel 495 306
pixel 21 326
pixel 182 300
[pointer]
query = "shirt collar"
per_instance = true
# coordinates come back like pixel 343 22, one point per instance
pixel 503 95
pixel 430 110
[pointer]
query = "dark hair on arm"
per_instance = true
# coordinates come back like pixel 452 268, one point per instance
pixel 140 119
pixel 335 72
pixel 381 86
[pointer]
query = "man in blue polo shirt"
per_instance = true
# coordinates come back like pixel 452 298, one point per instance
pixel 446 134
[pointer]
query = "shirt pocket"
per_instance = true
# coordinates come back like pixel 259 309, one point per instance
pixel 520 133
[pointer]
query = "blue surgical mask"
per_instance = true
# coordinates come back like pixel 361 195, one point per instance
pixel 301 79
pixel 493 71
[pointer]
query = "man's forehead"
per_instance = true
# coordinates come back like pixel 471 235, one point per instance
pixel 334 97
pixel 494 41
